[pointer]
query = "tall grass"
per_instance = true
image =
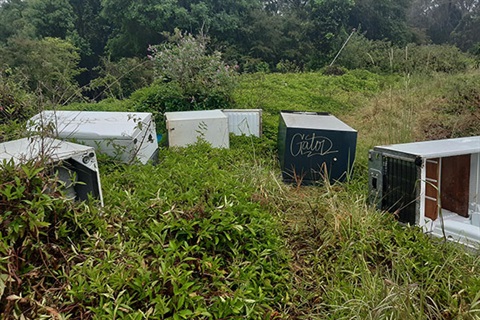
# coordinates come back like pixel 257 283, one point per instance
pixel 353 262
pixel 348 260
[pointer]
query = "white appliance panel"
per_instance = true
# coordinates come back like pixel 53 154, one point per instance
pixel 186 127
pixel 124 135
pixel 70 156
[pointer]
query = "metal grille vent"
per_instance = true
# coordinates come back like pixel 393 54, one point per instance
pixel 399 189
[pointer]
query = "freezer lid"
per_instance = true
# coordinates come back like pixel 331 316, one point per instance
pixel 314 120
pixel 436 148
pixel 26 149
pixel 93 125
pixel 195 115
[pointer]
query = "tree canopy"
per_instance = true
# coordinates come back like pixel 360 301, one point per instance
pixel 255 34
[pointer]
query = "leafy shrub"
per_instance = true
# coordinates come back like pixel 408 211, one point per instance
pixel 457 112
pixel 201 79
pixel 475 51
pixel 103 105
pixel 436 58
pixel 118 79
pixel 35 226
pixel 254 65
pixel 11 108
pixel 464 94
pixel 358 81
pixel 15 108
pixel 205 249
pixel 47 67
pixel 286 66
pixel 160 98
pixel 333 71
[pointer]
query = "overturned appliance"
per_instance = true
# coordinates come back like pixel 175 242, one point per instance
pixel 127 136
pixel 74 164
pixel 432 184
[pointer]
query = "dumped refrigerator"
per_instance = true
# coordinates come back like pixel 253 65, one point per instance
pixel 126 136
pixel 186 127
pixel 75 164
pixel 244 121
pixel 314 147
pixel 432 184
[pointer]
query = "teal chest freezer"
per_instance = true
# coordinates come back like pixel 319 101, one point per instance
pixel 314 147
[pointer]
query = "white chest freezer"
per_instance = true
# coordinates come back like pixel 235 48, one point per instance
pixel 75 164
pixel 123 135
pixel 185 127
pixel 244 121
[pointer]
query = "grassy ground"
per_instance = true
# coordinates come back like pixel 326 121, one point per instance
pixel 213 233
pixel 350 261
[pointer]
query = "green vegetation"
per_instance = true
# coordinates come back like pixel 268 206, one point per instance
pixel 187 243
pixel 382 56
pixel 350 261
pixel 216 234
pixel 213 233
pixel 72 50
pixel 15 109
pixel 47 67
pixel 203 79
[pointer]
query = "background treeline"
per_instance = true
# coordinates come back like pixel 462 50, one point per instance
pixel 214 233
pixel 58 46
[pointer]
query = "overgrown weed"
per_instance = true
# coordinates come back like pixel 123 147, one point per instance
pixel 37 226
pixel 207 245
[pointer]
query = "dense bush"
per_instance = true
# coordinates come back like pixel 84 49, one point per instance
pixel 47 67
pixel 118 79
pixel 190 238
pixel 200 77
pixel 37 225
pixel 160 98
pixel 104 105
pixel 383 56
pixel 475 51
pixel 457 111
pixel 204 249
pixel 188 78
pixel 15 108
